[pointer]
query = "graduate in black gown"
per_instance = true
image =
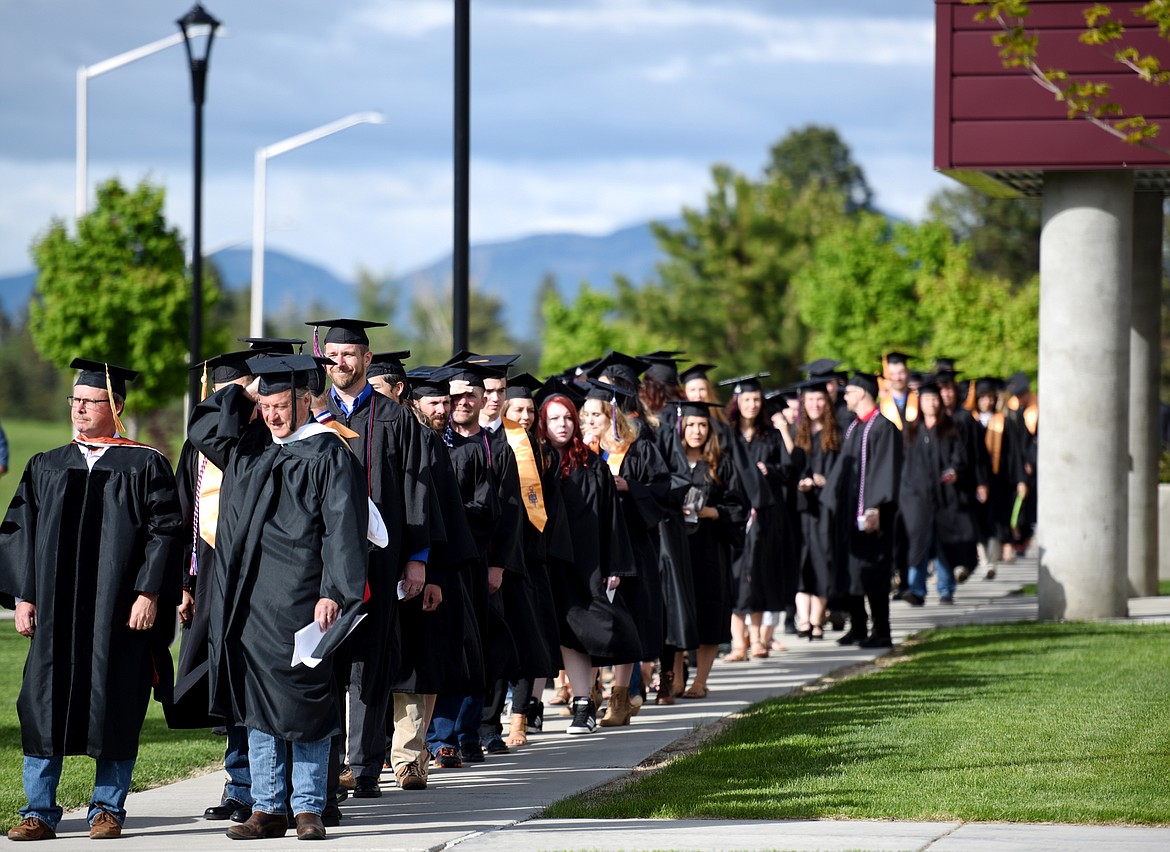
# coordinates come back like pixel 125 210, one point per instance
pixel 715 510
pixel 90 559
pixel 596 625
pixel 936 497
pixel 293 525
pixel 863 496
pixel 643 482
pixel 819 439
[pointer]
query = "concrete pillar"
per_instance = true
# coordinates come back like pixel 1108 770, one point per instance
pixel 1082 465
pixel 1145 356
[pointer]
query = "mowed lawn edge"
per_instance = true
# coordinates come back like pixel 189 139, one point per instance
pixel 1025 722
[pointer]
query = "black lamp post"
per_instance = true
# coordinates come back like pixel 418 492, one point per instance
pixel 460 273
pixel 198 29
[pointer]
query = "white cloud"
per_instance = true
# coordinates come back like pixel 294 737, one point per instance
pixel 413 19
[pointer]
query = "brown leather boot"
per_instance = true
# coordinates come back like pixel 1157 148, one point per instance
pixel 259 825
pixel 518 732
pixel 617 712
pixel 665 688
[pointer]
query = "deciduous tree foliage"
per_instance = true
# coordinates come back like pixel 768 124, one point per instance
pixel 118 291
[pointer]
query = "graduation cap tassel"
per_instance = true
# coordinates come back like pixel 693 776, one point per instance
pixel 114 408
pixel 317 350
pixel 203 383
pixel 613 416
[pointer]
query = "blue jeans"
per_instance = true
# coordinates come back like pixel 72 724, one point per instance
pixel 944 574
pixel 455 722
pixel 42 775
pixel 235 764
pixel 268 760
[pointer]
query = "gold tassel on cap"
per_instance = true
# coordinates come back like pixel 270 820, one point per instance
pixel 113 406
pixel 203 383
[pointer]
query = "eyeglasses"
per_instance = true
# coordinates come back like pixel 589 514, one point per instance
pixel 78 401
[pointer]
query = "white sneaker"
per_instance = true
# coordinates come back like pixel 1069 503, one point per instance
pixel 584 717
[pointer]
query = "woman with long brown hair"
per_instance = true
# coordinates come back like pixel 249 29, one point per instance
pixel 596 627
pixel 715 511
pixel 818 437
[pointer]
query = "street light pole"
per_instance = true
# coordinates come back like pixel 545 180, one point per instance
pixel 199 18
pixel 86 73
pixel 259 200
pixel 460 274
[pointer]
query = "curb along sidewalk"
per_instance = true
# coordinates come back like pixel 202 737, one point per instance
pixel 491 805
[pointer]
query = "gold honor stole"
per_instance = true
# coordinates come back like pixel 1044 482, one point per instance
pixel 994 439
pixel 889 409
pixel 614 460
pixel 530 487
pixel 208 497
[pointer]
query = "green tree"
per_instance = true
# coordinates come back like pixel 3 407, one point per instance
pixel 587 328
pixel 377 299
pixel 30 386
pixel 1003 233
pixel 118 292
pixel 817 156
pixel 430 336
pixel 724 290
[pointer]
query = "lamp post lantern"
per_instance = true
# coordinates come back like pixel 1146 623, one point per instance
pixel 192 25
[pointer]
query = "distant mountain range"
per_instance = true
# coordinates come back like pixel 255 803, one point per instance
pixel 511 270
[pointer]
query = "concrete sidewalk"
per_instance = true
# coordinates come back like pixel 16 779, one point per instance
pixel 492 805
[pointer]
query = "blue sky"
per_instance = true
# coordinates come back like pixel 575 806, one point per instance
pixel 587 115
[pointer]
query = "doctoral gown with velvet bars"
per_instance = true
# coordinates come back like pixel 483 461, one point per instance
pixel 390 449
pixel 588 621
pixel 441 650
pixel 81 545
pixel 711 542
pixel 292 530
pixel 645 505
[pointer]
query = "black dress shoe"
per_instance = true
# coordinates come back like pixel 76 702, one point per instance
pixel 331 815
pixel 471 753
pixel 913 599
pixel 366 788
pixel 851 638
pixel 877 642
pixel 227 809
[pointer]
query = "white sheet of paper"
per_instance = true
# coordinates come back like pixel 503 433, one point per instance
pixel 609 593
pixel 306 640
pixel 376 529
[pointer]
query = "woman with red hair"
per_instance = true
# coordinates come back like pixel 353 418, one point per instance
pixel 596 626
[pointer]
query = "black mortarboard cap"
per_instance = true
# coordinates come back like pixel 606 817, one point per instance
pixel 274 345
pixel 496 366
pixel 555 385
pixel 227 367
pixel 745 384
pixel 619 365
pixel 694 408
pixel 928 384
pixel 896 358
pixel 522 386
pixel 471 372
pixel 663 365
pixel 1017 384
pixel 988 384
pixel 430 381
pixel 819 367
pixel 814 383
pixel 388 364
pixel 944 365
pixel 695 371
pixel 606 391
pixel 345 330
pixel 95 374
pixel 865 381
pixel 283 372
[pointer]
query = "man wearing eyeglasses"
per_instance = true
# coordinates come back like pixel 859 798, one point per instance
pixel 90 554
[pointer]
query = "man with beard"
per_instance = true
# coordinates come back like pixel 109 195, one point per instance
pixel 90 553
pixel 387 441
pixel 293 523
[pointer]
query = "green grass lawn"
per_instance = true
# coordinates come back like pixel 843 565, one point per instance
pixel 1018 723
pixel 1032 589
pixel 164 755
pixel 26 438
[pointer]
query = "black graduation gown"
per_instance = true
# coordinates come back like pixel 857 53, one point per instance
pixel 588 621
pixel 765 568
pixel 934 512
pixel 710 542
pixel 816 524
pixel 442 650
pixel 81 545
pixel 190 704
pixel 644 507
pixel 865 560
pixel 485 471
pixel 292 530
pixel 528 599
pixel 1006 472
pixel 391 450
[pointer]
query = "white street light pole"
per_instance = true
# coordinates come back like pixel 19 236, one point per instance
pixel 84 74
pixel 259 191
